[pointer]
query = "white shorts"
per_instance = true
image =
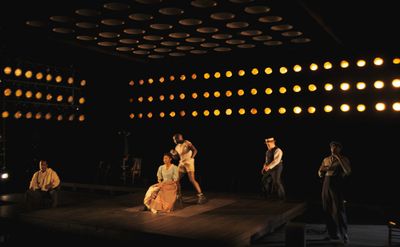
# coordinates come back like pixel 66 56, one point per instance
pixel 186 166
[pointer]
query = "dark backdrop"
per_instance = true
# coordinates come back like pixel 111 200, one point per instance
pixel 231 150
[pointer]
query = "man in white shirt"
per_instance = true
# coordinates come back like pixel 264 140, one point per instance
pixel 43 186
pixel 273 167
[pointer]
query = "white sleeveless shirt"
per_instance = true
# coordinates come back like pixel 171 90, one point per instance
pixel 185 153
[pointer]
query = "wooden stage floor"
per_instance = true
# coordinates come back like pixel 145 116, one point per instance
pixel 228 220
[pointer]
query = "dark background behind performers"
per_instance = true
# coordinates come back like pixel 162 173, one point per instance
pixel 231 150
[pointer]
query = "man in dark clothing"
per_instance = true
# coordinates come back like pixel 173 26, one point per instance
pixel 333 169
pixel 272 170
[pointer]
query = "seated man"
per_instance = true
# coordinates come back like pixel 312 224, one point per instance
pixel 43 187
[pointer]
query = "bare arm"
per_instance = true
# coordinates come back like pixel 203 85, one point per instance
pixel 344 163
pixel 323 168
pixel 193 148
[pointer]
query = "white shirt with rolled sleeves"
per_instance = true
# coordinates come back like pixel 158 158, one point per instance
pixel 278 154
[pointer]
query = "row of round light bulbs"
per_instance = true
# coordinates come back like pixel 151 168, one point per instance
pixel 268 70
pixel 344 86
pixel 39 95
pixel 380 106
pixel 39 76
pixel 39 115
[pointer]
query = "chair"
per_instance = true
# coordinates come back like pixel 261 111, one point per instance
pixel 394 231
pixel 136 169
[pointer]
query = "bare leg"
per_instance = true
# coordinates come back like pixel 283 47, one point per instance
pixel 194 182
pixel 178 183
pixel 200 197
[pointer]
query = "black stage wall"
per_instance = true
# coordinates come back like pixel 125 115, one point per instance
pixel 231 152
pixel 231 149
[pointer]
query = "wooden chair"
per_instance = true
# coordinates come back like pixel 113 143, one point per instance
pixel 136 169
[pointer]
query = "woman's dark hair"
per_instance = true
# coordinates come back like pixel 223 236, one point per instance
pixel 169 155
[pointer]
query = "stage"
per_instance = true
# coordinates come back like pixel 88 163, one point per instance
pixel 226 219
